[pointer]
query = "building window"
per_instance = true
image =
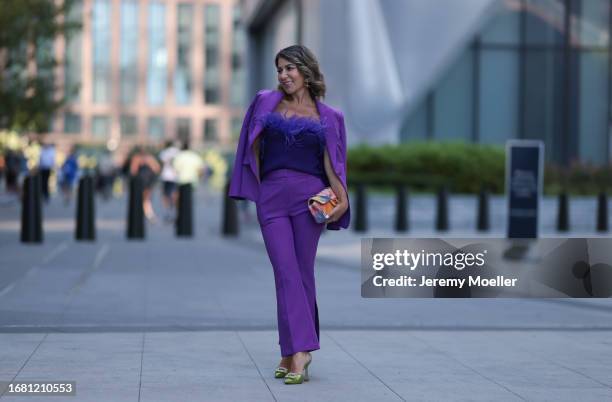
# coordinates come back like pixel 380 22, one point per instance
pixel 72 123
pixel 157 63
pixel 593 116
pixel 101 51
pixel 594 25
pixel 210 130
pixel 543 99
pixel 129 125
pixel 182 76
pixel 499 96
pixel 545 22
pixel 595 81
pixel 128 61
pixel 211 54
pixel 453 102
pixel 100 127
pixel 504 28
pixel 155 128
pixel 236 126
pixel 45 63
pixel 238 81
pixel 183 129
pixel 414 127
pixel 72 61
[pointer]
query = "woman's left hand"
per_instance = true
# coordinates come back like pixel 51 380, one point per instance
pixel 338 211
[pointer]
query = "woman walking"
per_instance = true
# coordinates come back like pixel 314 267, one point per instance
pixel 145 166
pixel 291 147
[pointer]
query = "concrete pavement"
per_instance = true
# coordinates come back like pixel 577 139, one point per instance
pixel 195 320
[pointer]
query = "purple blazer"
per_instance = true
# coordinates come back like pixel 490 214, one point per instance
pixel 244 184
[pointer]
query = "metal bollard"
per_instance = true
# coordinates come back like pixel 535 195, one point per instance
pixel 602 212
pixel 401 214
pixel 86 213
pixel 135 216
pixel 361 217
pixel 442 212
pixel 230 215
pixel 184 217
pixel 483 210
pixel 563 213
pixel 31 210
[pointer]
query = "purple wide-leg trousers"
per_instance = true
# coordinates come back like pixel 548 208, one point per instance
pixel 291 236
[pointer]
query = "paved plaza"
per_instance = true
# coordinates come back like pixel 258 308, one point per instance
pixel 169 319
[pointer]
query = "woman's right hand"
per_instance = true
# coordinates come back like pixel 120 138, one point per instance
pixel 338 211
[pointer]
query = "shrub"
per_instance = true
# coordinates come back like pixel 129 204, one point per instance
pixel 427 165
pixel 463 167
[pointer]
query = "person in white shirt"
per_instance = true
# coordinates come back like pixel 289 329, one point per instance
pixel 168 177
pixel 188 165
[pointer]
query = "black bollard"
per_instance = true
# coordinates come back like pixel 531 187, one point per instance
pixel 31 210
pixel 86 213
pixel 230 215
pixel 563 213
pixel 602 212
pixel 184 217
pixel 135 217
pixel 401 218
pixel 361 217
pixel 442 213
pixel 38 209
pixel 483 210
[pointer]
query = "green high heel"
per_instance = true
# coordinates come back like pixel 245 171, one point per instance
pixel 298 378
pixel 280 372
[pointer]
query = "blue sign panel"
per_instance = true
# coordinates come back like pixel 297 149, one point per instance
pixel 524 174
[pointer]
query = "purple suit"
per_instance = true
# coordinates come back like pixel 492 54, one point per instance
pixel 244 182
pixel 290 233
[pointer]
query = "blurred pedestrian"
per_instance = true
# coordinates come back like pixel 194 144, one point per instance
pixel 106 174
pixel 168 177
pixel 146 167
pixel 46 165
pixel 12 161
pixel 189 166
pixel 69 173
pixel 24 166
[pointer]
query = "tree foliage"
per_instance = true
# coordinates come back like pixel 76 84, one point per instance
pixel 28 29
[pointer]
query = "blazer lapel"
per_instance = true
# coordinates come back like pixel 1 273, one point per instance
pixel 266 105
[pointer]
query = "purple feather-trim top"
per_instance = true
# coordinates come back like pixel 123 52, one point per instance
pixel 293 126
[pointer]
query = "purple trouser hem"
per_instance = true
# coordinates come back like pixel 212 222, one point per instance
pixel 288 351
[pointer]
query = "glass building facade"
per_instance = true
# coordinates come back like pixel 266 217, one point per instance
pixel 482 71
pixel 147 70
pixel 212 52
pixel 128 61
pixel 539 69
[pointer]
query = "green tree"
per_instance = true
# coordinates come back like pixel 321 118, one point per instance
pixel 28 29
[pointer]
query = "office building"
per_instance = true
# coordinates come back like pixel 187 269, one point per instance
pixel 481 71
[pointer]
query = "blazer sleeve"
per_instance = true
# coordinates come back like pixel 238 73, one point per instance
pixel 345 219
pixel 238 188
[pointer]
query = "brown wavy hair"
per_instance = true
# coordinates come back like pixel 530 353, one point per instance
pixel 307 64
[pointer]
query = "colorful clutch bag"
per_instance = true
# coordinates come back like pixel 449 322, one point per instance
pixel 321 204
